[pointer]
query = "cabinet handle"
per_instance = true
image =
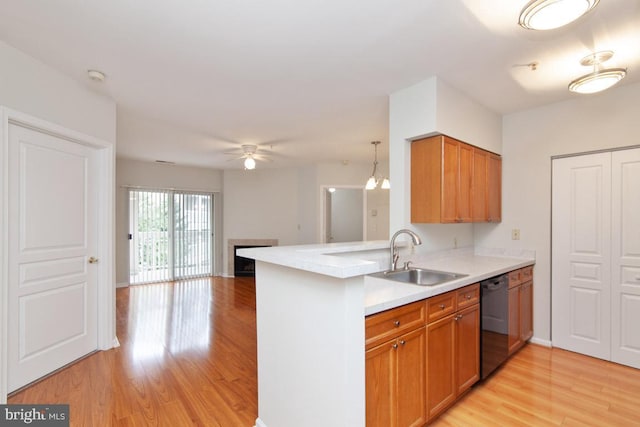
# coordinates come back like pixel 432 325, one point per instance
pixel 458 317
pixel 468 296
pixel 441 306
pixel 403 342
pixel 394 346
pixel 396 323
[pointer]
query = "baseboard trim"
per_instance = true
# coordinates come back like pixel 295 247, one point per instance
pixel 116 342
pixel 544 343
pixel 122 285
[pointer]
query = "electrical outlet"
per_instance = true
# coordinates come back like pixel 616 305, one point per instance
pixel 515 234
pixel 455 243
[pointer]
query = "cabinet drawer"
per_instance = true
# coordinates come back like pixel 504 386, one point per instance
pixel 389 324
pixel 468 295
pixel 526 274
pixel 515 278
pixel 441 306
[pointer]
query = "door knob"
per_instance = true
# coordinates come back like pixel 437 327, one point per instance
pixel 93 260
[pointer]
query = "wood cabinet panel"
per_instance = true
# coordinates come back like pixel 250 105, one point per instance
pixel 395 381
pixel 441 389
pixel 467 348
pixel 526 311
pixel 464 193
pixel 479 184
pixel 389 324
pixel 514 319
pixel 380 390
pixel 411 356
pixel 452 181
pixel 494 188
pixel 440 306
pixel 468 295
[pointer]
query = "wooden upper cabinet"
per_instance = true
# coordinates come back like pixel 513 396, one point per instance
pixel 452 182
pixel 494 188
pixel 480 183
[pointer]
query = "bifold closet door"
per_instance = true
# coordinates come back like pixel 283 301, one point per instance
pixel 581 254
pixel 625 282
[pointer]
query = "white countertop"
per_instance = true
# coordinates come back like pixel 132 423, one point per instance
pixel 383 294
pixel 344 260
pixel 340 260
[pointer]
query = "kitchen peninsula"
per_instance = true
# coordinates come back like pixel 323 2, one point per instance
pixel 311 302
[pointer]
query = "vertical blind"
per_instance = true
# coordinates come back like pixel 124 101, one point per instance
pixel 170 235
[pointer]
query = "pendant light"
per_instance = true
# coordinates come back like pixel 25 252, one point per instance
pixel 373 180
pixel 599 79
pixel 550 14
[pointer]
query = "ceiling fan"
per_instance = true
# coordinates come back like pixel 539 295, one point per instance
pixel 250 153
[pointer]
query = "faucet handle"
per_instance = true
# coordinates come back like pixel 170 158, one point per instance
pixel 406 265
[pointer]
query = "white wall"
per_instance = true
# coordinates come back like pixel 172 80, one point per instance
pixel 260 204
pixel 427 108
pixel 347 220
pixel 134 173
pixel 530 138
pixel 28 86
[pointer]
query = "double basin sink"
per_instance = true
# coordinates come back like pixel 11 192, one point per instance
pixel 419 276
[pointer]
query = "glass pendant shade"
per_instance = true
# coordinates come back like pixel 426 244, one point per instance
pixel 371 183
pixel 385 184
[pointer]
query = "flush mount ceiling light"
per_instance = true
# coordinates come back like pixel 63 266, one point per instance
pixel 550 14
pixel 600 79
pixel 373 180
pixel 96 76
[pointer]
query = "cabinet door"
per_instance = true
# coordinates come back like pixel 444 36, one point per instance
pixel 514 319
pixel 526 311
pixel 479 183
pixel 494 188
pixel 380 380
pixel 465 168
pixel 467 347
pixel 411 385
pixel 441 389
pixel 450 181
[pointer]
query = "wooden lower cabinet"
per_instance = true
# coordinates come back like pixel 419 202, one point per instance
pixel 453 358
pixel 414 373
pixel 467 348
pixel 520 315
pixel 395 381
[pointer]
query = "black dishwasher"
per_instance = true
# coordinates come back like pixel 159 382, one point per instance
pixel 494 315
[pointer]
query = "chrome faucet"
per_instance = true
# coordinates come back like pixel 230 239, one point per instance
pixel 394 249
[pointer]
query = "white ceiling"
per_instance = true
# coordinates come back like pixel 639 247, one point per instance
pixel 307 79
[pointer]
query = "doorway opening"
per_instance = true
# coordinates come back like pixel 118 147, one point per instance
pixel 170 235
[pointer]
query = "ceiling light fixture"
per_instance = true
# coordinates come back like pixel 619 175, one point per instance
pixel 96 76
pixel 249 162
pixel 373 180
pixel 600 79
pixel 550 14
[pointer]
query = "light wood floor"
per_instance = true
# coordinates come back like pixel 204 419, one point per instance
pixel 188 357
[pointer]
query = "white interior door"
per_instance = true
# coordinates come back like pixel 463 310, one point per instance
pixel 52 309
pixel 581 255
pixel 625 282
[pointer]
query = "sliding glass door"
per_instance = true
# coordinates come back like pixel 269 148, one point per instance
pixel 170 235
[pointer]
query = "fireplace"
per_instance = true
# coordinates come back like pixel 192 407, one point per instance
pixel 244 267
pixel 239 266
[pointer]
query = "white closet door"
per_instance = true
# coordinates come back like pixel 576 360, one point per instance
pixel 581 255
pixel 52 235
pixel 625 283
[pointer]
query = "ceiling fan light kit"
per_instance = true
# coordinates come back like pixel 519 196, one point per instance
pixel 550 14
pixel 599 79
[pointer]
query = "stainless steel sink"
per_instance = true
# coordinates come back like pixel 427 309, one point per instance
pixel 419 276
